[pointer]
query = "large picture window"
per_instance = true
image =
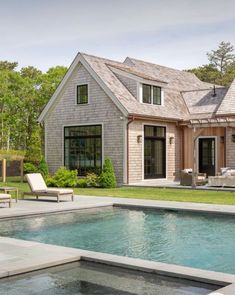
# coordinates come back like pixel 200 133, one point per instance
pixel 83 148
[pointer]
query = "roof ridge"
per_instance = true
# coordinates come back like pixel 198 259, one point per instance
pixel 204 89
pixel 101 58
pixel 154 64
pixel 136 72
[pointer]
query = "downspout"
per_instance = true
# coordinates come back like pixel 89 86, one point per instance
pixel 130 120
pixel 225 146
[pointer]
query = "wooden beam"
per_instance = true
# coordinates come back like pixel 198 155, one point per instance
pixel 196 134
pixel 22 170
pixel 4 170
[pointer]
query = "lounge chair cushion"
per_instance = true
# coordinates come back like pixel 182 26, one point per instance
pixel 36 182
pixel 56 190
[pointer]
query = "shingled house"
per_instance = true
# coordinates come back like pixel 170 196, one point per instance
pixel 149 119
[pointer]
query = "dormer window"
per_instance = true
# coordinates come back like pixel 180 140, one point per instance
pixel 82 94
pixel 152 94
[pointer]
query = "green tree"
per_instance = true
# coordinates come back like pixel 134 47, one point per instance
pixel 7 65
pixel 222 57
pixel 23 95
pixel 50 81
pixel 207 73
pixel 220 69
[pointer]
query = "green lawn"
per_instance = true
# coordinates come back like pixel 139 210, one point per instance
pixel 181 195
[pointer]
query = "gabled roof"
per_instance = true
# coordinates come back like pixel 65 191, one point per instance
pixel 178 80
pixel 227 106
pixel 174 107
pixel 185 96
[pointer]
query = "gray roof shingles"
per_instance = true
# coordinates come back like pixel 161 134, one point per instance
pixel 185 96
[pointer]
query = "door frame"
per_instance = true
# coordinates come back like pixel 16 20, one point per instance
pixel 216 151
pixel 166 154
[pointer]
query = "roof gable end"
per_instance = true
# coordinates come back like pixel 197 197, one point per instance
pixel 80 59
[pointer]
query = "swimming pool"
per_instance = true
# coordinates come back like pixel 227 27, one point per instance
pixel 205 241
pixel 84 278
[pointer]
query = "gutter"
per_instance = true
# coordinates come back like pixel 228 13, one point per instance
pixel 154 118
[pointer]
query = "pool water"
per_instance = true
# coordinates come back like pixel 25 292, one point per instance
pixel 85 278
pixel 205 241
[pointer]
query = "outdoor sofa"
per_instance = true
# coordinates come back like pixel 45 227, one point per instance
pixel 226 179
pixel 39 188
pixel 5 198
pixel 186 178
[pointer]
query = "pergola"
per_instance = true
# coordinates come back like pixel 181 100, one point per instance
pixel 198 125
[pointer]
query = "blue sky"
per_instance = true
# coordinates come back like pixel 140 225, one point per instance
pixel 175 33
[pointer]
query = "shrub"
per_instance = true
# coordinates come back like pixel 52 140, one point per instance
pixel 107 177
pixel 64 178
pixel 43 167
pixel 30 168
pixel 50 181
pixel 82 183
pixel 92 179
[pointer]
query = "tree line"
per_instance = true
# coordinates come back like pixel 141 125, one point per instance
pixel 220 69
pixel 25 92
pixel 23 95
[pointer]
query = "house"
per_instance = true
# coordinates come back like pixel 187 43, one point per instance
pixel 151 120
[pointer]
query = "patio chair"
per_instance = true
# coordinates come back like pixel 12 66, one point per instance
pixel 5 198
pixel 39 188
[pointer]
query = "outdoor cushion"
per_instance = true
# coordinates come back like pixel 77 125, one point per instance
pixel 224 170
pixel 188 170
pixel 36 181
pixel 56 190
pixel 229 172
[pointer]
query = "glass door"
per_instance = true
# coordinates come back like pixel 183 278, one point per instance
pixel 206 156
pixel 154 152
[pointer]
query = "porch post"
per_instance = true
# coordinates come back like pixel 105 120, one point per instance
pixel 194 141
pixel 194 160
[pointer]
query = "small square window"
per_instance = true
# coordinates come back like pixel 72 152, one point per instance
pixel 82 94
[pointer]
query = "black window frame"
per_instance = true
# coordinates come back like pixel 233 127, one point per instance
pixel 83 170
pixel 160 97
pixel 151 98
pixel 144 86
pixel 80 99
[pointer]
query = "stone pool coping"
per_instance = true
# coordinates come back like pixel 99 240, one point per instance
pixel 18 256
pixel 29 206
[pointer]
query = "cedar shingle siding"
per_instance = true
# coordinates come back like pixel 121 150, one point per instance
pixel 114 90
pixel 99 110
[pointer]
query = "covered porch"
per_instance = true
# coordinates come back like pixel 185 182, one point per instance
pixel 208 145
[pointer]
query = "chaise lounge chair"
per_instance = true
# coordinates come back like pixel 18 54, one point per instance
pixel 39 188
pixel 5 198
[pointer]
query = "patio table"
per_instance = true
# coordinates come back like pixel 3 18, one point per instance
pixel 8 189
